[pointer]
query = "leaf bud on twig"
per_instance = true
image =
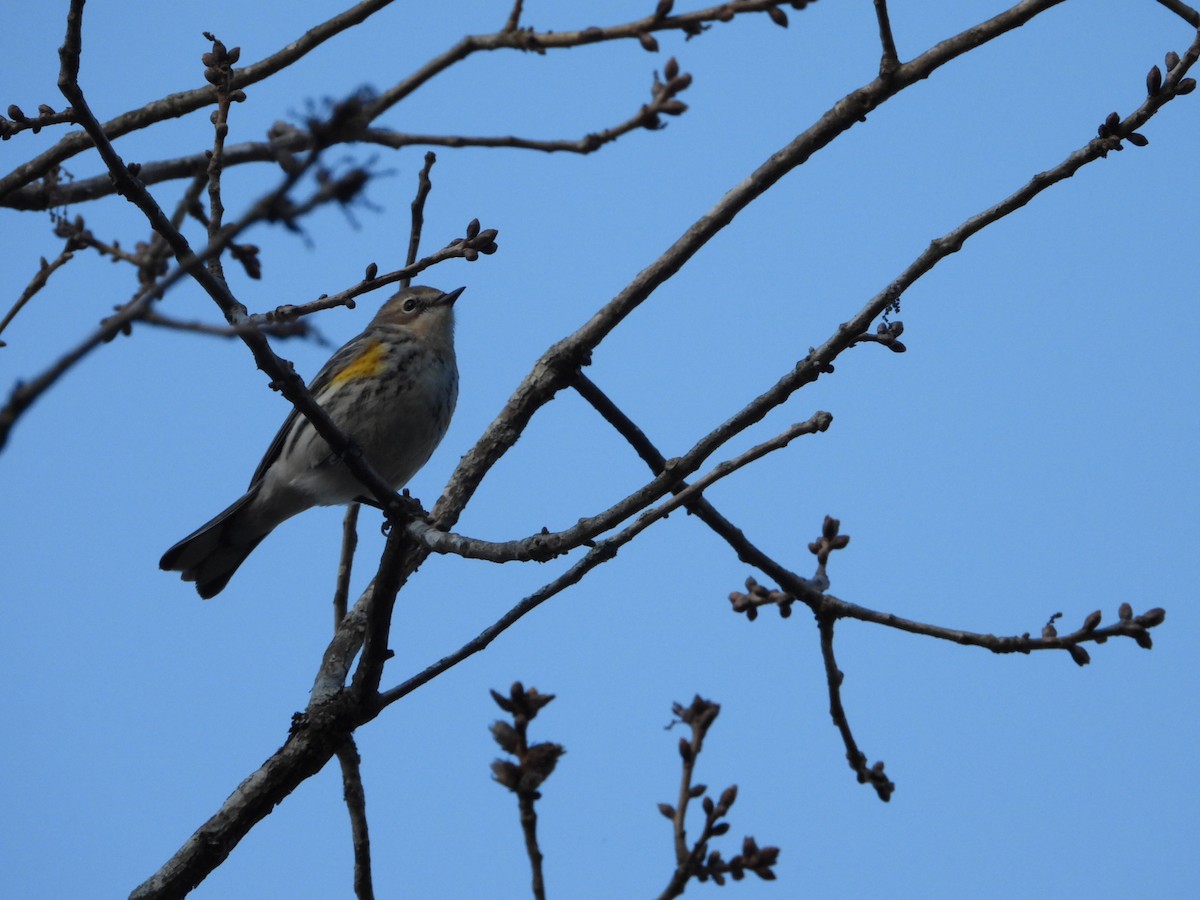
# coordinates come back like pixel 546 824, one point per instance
pixel 1153 617
pixel 1153 81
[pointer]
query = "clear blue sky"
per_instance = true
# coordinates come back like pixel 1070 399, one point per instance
pixel 1033 452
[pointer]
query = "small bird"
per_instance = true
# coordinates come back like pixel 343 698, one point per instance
pixel 392 389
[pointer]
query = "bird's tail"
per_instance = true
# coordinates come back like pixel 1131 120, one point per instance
pixel 212 553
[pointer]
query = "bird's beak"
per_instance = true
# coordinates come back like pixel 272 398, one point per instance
pixel 448 298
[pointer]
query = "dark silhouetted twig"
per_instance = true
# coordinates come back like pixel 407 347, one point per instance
pixel 535 763
pixel 424 185
pixel 356 805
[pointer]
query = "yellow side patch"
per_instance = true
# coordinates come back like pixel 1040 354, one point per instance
pixel 368 365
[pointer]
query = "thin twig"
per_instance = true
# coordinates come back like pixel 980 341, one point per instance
pixel 345 563
pixel 889 61
pixel 274 329
pixel 356 805
pixel 154 261
pixel 424 186
pixel 514 17
pixel 528 814
pixel 664 101
pixel 833 678
pixel 460 248
pixel 45 270
pixel 25 394
pixel 45 117
pixel 220 69
pixel 534 764
pixel 75 231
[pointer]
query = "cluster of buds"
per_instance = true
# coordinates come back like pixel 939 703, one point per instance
pixel 760 596
pixel 724 13
pixel 477 241
pixel 1154 78
pixel 218 66
pixel 663 93
pixel 699 715
pixel 1127 625
pixel 829 540
pixel 699 863
pixel 753 858
pixel 876 777
pixel 535 762
pixel 1111 127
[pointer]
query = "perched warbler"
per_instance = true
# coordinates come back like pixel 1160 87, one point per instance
pixel 392 389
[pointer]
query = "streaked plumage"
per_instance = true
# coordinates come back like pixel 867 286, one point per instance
pixel 393 389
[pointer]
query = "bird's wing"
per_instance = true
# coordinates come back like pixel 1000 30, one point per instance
pixel 337 363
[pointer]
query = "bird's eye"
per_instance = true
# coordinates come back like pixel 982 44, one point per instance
pixel 410 304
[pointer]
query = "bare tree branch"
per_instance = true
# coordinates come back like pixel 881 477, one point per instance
pixel 49 196
pixel 554 370
pixel 525 40
pixel 334 711
pixel 186 102
pixel 356 805
pixel 548 545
